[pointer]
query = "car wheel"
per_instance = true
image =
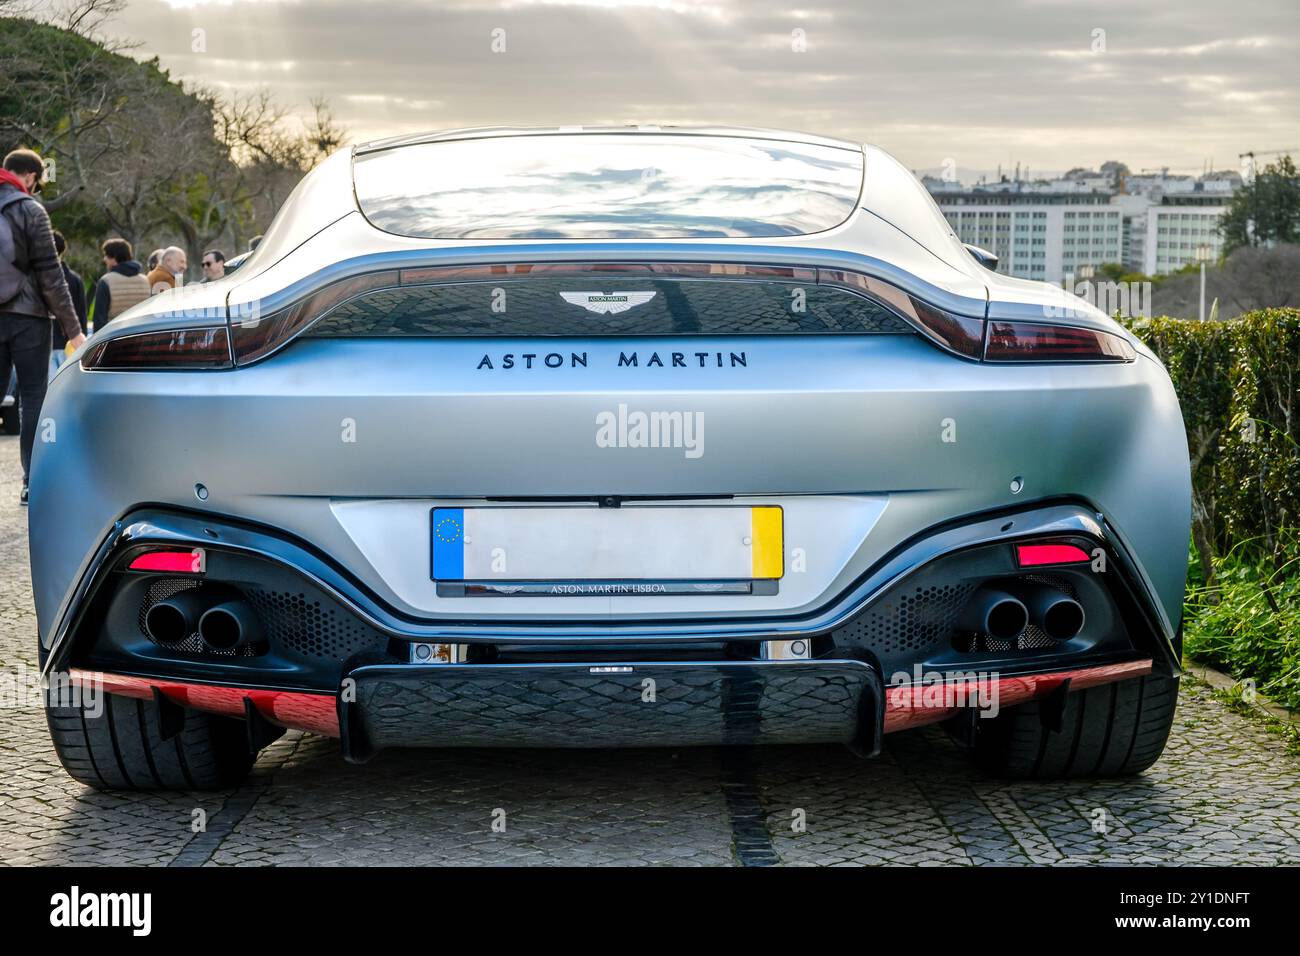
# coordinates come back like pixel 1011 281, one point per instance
pixel 1114 730
pixel 120 747
pixel 12 425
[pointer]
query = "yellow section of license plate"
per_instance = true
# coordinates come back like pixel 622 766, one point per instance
pixel 768 549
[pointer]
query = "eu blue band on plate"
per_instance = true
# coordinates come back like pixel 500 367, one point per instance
pixel 449 544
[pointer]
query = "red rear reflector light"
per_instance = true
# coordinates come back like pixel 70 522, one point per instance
pixel 1030 555
pixel 1031 342
pixel 177 562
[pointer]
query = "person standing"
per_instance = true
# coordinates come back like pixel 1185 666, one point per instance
pixel 32 287
pixel 214 265
pixel 170 271
pixel 122 286
pixel 77 288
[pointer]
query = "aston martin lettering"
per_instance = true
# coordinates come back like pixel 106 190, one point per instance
pixel 527 360
pixel 607 303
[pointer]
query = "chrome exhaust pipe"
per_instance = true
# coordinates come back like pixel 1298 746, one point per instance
pixel 172 620
pixel 995 613
pixel 1059 615
pixel 229 625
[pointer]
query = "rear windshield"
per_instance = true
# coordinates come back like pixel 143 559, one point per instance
pixel 595 186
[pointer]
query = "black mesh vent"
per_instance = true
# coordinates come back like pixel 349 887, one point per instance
pixel 1035 638
pixel 1032 638
pixel 301 623
pixel 910 621
pixel 1051 581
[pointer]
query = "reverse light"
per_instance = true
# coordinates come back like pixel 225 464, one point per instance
pixel 1035 555
pixel 1032 342
pixel 194 561
pixel 168 349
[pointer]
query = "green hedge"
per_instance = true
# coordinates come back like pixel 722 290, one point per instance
pixel 1238 381
pixel 1239 385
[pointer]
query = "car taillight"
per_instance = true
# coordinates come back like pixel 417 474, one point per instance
pixel 1032 342
pixel 257 337
pixel 960 333
pixel 168 349
pixel 253 337
pixel 957 333
pixel 177 562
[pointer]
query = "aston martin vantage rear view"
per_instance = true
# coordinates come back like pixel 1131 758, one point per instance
pixel 609 437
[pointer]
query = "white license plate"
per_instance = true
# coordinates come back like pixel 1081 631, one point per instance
pixel 607 544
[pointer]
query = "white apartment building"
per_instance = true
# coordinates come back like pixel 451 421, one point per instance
pixel 1040 235
pixel 1176 231
pixel 1055 231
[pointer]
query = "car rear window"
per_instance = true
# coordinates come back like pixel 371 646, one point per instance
pixel 608 186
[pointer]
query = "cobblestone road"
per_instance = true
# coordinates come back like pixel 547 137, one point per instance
pixel 1225 792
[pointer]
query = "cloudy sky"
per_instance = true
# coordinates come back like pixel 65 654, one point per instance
pixel 1050 84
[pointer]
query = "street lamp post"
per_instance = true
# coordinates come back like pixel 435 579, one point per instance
pixel 1202 256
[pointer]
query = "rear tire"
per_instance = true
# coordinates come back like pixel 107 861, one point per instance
pixel 12 426
pixel 121 748
pixel 1115 730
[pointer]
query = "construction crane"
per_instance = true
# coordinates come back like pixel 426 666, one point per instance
pixel 1248 167
pixel 1267 152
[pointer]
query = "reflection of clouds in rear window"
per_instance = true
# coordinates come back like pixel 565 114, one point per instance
pixel 602 186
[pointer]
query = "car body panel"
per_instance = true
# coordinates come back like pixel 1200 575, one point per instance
pixel 864 419
pixel 883 450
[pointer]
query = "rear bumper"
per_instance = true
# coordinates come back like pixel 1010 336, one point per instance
pixel 642 705
pixel 885 655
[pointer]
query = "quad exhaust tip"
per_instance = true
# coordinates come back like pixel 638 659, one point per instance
pixel 995 613
pixel 1005 616
pixel 223 621
pixel 229 626
pixel 174 619
pixel 1060 616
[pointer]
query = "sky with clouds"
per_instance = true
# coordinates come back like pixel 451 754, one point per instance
pixel 1050 84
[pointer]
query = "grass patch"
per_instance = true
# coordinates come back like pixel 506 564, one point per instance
pixel 1247 621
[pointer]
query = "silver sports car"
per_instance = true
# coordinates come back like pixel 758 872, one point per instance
pixel 609 437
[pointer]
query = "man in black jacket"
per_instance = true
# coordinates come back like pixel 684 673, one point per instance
pixel 78 290
pixel 32 288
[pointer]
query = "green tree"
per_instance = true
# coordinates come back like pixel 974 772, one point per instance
pixel 1266 211
pixel 134 153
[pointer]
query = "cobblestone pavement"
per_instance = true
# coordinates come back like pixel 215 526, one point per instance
pixel 1224 792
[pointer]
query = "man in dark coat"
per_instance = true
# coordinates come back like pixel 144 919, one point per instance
pixel 32 288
